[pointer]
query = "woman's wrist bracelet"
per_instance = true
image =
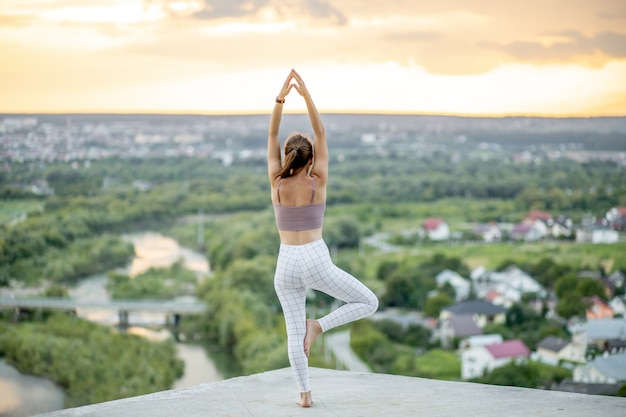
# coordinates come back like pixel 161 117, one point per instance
pixel 279 101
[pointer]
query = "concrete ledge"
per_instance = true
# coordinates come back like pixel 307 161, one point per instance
pixel 352 394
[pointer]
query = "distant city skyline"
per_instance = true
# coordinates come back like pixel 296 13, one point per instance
pixel 476 58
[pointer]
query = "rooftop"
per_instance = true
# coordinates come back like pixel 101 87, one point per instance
pixel 508 349
pixel 464 326
pixel 475 307
pixel 343 394
pixel 612 365
pixel 553 343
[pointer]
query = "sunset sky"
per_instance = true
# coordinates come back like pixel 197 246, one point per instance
pixel 483 57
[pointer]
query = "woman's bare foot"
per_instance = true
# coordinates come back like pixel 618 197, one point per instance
pixel 305 399
pixel 313 329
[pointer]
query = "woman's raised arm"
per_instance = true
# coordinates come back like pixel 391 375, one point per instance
pixel 320 167
pixel 273 141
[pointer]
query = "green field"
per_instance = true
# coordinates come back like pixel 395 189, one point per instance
pixel 439 364
pixel 13 209
pixel 578 255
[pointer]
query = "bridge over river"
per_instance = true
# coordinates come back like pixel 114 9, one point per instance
pixel 123 307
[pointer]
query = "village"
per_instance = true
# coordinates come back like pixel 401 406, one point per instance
pixel 595 351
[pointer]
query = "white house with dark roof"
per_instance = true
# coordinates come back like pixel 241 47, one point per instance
pixel 478 361
pixel 552 350
pixel 618 304
pixel 482 312
pixel 461 285
pixel 457 327
pixel 504 287
pixel 610 369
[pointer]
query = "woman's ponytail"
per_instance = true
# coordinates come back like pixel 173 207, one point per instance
pixel 298 152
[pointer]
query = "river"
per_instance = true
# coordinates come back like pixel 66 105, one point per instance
pixel 24 395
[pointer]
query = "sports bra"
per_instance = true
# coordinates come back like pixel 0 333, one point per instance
pixel 294 218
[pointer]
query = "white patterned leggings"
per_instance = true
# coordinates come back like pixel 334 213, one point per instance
pixel 300 267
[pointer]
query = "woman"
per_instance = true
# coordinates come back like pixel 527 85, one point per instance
pixel 298 186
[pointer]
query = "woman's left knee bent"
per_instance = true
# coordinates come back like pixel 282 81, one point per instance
pixel 372 303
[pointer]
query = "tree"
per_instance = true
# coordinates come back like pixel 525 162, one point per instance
pixel 571 305
pixel 447 288
pixel 588 287
pixel 515 315
pixel 343 233
pixel 436 303
pixel 385 269
pixel 528 375
pixel 565 285
pixel 512 374
pixel 398 290
pixel 547 272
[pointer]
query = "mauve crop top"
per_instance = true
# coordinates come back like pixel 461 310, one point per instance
pixel 294 218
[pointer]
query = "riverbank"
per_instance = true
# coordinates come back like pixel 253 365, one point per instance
pixel 152 250
pixel 26 395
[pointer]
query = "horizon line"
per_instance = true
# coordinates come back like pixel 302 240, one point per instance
pixel 328 112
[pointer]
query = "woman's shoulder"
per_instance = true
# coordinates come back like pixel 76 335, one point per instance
pixel 319 178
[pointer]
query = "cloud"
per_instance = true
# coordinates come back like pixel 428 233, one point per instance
pixel 573 45
pixel 215 9
pixel 324 10
pixel 12 20
pixel 207 10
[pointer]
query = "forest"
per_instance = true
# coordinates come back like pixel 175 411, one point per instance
pixel 53 240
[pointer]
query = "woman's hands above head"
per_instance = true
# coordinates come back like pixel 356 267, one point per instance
pixel 288 85
pixel 299 85
pixel 286 88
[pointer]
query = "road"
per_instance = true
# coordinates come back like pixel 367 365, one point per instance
pixel 338 343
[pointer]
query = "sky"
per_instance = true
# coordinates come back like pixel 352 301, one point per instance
pixel 457 57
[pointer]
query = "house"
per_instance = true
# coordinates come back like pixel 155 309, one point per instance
pixel 529 232
pixel 597 332
pixel 497 298
pixel 614 346
pixel 544 223
pixel 596 233
pixel 478 361
pixel 610 369
pixel 561 226
pixel 506 287
pixel 618 304
pixel 552 350
pixel 617 218
pixel 535 216
pixel 481 340
pixel 598 309
pixel 482 312
pixel 488 232
pixel 461 285
pixel 436 229
pixel 457 327
pixel 536 225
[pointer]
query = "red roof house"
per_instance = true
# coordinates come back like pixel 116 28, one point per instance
pixel 508 349
pixel 535 215
pixel 478 361
pixel 598 309
pixel 436 228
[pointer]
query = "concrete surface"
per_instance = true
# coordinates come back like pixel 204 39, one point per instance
pixel 353 394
